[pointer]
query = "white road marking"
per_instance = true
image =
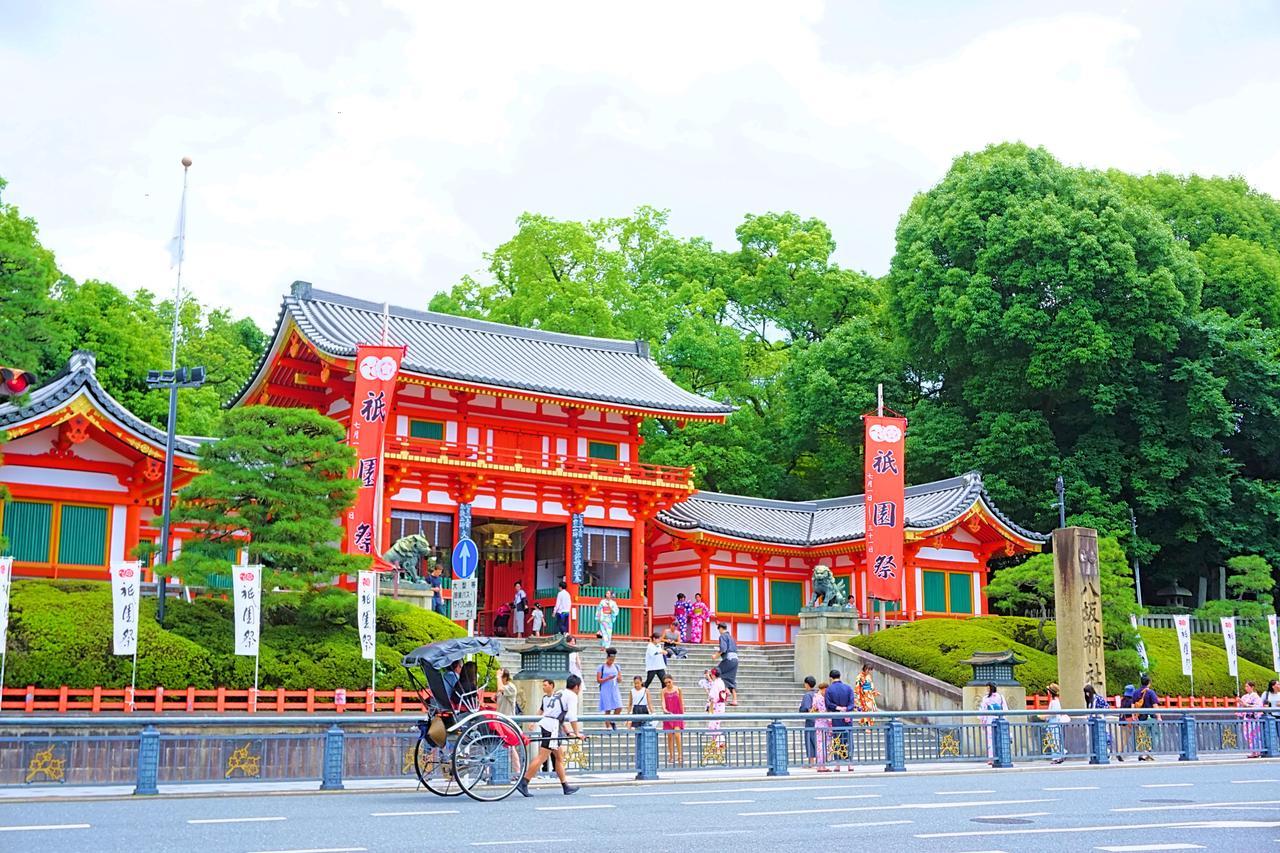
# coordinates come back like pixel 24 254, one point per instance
pixel 39 827
pixel 575 808
pixel 1169 785
pixel 850 797
pixel 713 802
pixel 1201 824
pixel 1138 848
pixel 947 805
pixel 870 823
pixel 320 850
pixel 409 814
pixel 1254 781
pixel 1244 804
pixel 1019 814
pixel 1073 788
pixel 521 841
pixel 963 793
pixel 707 832
pixel 757 790
pixel 233 819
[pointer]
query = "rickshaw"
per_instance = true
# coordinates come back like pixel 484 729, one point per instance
pixel 461 748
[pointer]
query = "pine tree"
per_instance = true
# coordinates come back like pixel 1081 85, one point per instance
pixel 280 475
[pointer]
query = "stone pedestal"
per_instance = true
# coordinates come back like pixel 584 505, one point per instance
pixel 819 626
pixel 1077 594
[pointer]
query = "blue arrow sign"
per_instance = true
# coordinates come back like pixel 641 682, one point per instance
pixel 466 557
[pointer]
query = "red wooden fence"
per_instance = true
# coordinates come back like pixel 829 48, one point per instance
pixel 108 700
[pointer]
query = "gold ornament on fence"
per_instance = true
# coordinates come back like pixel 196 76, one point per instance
pixel 950 744
pixel 839 749
pixel 1048 743
pixel 244 761
pixel 1143 742
pixel 44 764
pixel 1229 738
pixel 575 755
pixel 714 751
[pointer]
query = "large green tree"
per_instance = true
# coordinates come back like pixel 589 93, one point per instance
pixel 280 475
pixel 29 337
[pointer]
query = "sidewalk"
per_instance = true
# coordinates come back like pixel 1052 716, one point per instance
pixel 671 777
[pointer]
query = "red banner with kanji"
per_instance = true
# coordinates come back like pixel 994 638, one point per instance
pixel 885 505
pixel 376 369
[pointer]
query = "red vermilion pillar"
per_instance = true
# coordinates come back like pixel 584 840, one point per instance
pixel 638 569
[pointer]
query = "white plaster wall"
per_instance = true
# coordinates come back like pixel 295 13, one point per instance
pixel 519 505
pixel 408 495
pixel 118 529
pixel 961 535
pixel 747 632
pixel 554 508
pixel 619 514
pixel 485 502
pixel 441 394
pixel 34 444
pixel 413 391
pixel 402 425
pixel 594 511
pixel 526 406
pixel 951 555
pixel 437 497
pixel 775 633
pixel 56 477
pixel 664 593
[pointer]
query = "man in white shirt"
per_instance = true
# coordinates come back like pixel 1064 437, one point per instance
pixel 563 605
pixel 655 660
pixel 559 721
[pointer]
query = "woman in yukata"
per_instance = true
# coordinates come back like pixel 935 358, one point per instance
pixel 698 628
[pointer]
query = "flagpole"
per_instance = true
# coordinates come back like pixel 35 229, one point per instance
pixel 182 247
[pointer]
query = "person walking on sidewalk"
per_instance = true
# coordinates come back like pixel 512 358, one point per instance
pixel 1146 698
pixel 728 667
pixel 993 701
pixel 839 698
pixel 559 722
pixel 564 604
pixel 806 705
pixel 1250 726
pixel 655 660
pixel 608 675
pixel 1053 727
pixel 673 703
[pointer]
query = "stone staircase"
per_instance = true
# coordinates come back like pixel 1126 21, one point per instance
pixel 766 680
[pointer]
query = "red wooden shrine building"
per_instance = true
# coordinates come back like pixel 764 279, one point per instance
pixel 532 440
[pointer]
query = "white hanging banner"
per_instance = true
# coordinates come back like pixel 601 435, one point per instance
pixel 6 578
pixel 124 606
pixel 246 588
pixel 1142 647
pixel 1229 640
pixel 367 592
pixel 1183 625
pixel 1275 642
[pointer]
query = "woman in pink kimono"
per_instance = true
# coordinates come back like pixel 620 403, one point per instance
pixel 701 619
pixel 1252 729
pixel 822 728
pixel 717 697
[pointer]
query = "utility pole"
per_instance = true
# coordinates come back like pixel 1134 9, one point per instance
pixel 1137 575
pixel 1061 489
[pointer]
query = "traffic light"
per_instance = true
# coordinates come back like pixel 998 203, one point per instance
pixel 14 382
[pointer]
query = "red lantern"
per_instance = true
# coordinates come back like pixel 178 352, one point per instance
pixel 14 382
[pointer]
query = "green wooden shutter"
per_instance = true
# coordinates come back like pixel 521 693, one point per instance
pixel 961 592
pixel 602 450
pixel 935 592
pixel 82 536
pixel 785 598
pixel 733 595
pixel 433 430
pixel 26 526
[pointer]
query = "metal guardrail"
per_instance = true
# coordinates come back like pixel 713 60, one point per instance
pixel 154 750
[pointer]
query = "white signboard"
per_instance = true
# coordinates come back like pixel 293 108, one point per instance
pixel 124 606
pixel 1229 639
pixel 6 578
pixel 1183 625
pixel 246 588
pixel 464 599
pixel 1275 643
pixel 367 597
pixel 1142 647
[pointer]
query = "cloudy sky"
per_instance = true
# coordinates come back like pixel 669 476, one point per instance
pixel 381 150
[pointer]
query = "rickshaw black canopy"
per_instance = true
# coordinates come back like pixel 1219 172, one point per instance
pixel 437 656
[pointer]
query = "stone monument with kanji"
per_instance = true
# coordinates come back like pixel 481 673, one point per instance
pixel 1077 594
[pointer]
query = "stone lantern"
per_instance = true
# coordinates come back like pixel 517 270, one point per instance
pixel 994 668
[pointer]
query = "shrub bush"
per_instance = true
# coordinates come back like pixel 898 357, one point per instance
pixel 937 646
pixel 60 633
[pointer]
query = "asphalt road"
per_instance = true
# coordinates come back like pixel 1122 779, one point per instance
pixel 1165 806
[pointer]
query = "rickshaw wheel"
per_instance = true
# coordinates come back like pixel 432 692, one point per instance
pixel 489 759
pixel 434 769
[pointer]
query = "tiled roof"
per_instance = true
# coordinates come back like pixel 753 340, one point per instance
pixel 466 350
pixel 809 523
pixel 79 377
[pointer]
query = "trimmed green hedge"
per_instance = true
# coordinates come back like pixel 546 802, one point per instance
pixel 60 633
pixel 937 646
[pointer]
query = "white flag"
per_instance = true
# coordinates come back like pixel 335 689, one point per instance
pixel 124 606
pixel 1142 647
pixel 6 578
pixel 1229 640
pixel 367 592
pixel 1183 624
pixel 1275 643
pixel 246 587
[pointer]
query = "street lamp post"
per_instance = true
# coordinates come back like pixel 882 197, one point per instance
pixel 181 377
pixel 1137 574
pixel 1061 489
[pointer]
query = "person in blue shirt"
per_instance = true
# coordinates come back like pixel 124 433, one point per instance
pixel 806 705
pixel 435 577
pixel 840 698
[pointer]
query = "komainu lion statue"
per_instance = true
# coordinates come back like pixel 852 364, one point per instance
pixel 827 591
pixel 407 553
